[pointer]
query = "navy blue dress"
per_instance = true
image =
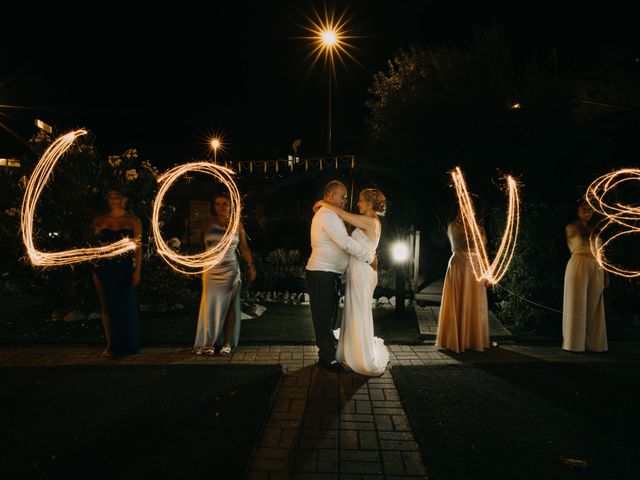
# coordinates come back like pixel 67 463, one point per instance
pixel 115 276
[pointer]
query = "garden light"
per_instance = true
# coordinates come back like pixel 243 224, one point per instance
pixel 400 252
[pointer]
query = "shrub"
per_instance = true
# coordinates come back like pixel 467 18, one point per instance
pixel 536 273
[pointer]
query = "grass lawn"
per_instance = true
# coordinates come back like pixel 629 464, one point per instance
pixel 506 421
pixel 175 421
pixel 280 324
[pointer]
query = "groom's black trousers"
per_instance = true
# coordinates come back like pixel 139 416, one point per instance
pixel 324 296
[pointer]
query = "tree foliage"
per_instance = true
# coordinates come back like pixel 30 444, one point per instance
pixel 473 106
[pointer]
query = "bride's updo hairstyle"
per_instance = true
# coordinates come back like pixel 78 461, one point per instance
pixel 377 199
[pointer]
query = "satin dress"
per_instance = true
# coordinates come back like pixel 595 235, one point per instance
pixel 219 285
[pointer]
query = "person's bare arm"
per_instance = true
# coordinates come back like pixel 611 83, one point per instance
pixel 335 230
pixel 360 221
pixel 96 225
pixel 245 251
pixel 137 232
pixel 571 231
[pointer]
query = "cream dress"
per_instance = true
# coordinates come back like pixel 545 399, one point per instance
pixel 583 324
pixel 220 292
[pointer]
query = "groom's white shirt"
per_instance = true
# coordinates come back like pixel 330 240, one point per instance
pixel 331 245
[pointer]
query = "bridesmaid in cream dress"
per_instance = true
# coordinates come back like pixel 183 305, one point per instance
pixel 583 323
pixel 463 323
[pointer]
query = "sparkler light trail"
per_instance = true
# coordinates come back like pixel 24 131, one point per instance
pixel 200 262
pixel 615 214
pixel 482 269
pixel 34 188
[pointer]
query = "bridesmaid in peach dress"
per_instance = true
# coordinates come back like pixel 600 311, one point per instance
pixel 463 323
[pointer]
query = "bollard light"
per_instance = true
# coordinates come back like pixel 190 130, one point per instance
pixel 400 254
pixel 400 251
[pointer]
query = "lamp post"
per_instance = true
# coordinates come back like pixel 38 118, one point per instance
pixel 215 145
pixel 400 253
pixel 329 39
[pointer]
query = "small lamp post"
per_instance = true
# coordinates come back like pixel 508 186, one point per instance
pixel 215 145
pixel 400 253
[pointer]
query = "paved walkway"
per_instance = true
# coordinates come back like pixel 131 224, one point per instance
pixel 428 323
pixel 325 425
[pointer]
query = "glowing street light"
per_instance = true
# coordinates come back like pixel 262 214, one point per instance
pixel 330 38
pixel 216 143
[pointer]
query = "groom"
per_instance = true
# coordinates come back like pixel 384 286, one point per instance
pixel 331 247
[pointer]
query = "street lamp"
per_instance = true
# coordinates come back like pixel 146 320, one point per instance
pixel 400 254
pixel 330 37
pixel 216 143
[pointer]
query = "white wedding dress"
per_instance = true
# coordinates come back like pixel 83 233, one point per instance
pixel 358 349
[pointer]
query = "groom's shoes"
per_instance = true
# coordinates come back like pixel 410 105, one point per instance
pixel 334 366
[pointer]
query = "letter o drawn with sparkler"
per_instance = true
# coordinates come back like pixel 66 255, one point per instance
pixel 200 262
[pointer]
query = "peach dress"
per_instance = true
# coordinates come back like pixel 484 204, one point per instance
pixel 463 322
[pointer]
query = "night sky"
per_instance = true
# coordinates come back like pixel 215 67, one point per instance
pixel 163 86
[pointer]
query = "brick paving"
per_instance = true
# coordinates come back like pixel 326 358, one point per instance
pixel 325 425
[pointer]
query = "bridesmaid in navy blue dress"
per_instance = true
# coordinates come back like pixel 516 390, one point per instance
pixel 116 278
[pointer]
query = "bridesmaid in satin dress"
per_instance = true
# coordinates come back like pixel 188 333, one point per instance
pixel 116 278
pixel 463 322
pixel 219 317
pixel 583 322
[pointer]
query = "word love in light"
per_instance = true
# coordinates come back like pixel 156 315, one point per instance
pixel 615 214
pixel 183 263
pixel 482 269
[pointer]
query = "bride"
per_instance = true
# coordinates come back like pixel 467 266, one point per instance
pixel 358 349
